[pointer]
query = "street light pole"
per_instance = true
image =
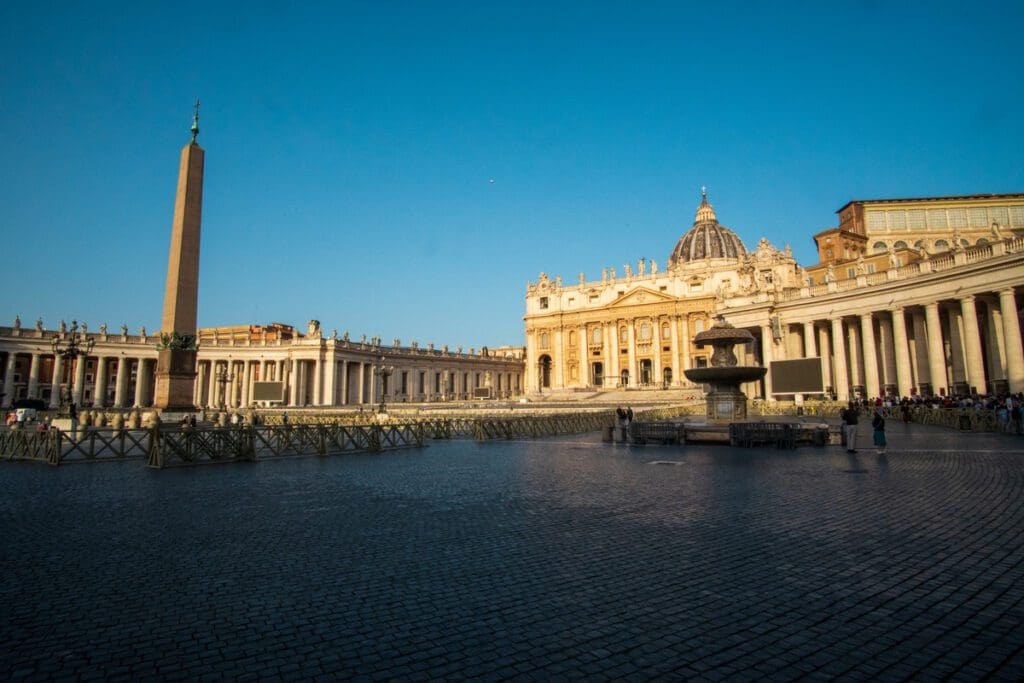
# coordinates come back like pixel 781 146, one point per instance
pixel 384 372
pixel 223 378
pixel 70 349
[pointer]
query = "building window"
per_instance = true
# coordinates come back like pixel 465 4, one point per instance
pixel 665 331
pixel 572 338
pixel 879 247
pixel 645 331
pixel 900 245
pixel 871 268
pixel 543 302
pixel 572 300
pixel 595 337
pixel 663 288
pixel 941 244
pixel 851 273
pixel 543 340
pixel 623 335
pixel 594 298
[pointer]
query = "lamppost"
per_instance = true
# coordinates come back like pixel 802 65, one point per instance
pixel 223 377
pixel 384 372
pixel 69 350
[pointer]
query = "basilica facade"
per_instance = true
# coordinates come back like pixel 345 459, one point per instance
pixel 915 296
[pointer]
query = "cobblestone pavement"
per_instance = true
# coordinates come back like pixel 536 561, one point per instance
pixel 563 558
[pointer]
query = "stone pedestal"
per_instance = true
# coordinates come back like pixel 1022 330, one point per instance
pixel 726 405
pixel 176 376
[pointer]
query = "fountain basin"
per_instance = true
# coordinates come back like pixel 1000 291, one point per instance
pixel 736 374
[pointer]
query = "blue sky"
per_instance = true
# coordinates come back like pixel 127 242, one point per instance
pixel 350 147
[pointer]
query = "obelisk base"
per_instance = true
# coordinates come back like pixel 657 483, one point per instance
pixel 175 380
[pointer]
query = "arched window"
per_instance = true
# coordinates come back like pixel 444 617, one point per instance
pixel 982 242
pixel 879 247
pixel 900 245
pixel 543 340
pixel 918 244
pixel 645 331
pixel 941 244
pixel 572 338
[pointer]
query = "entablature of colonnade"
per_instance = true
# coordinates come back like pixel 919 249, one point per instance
pixel 884 292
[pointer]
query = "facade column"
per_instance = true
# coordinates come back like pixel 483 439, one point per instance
pixel 613 354
pixel 972 342
pixel 673 326
pixel 55 381
pixel 1012 339
pixel 810 342
pixel 121 386
pixel 936 356
pixel 872 389
pixel 318 379
pixel 12 359
pixel 558 369
pixel 684 341
pixel 584 356
pixel 140 386
pixel 246 383
pixel 631 358
pixel 996 343
pixel 920 349
pixel 885 353
pixel 33 377
pixel 825 350
pixel 904 383
pixel 99 393
pixel 656 343
pixel 766 359
pixel 79 388
pixel 842 385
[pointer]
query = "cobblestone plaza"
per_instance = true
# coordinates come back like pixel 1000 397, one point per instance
pixel 563 558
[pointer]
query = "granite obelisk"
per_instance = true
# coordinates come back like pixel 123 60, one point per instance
pixel 176 364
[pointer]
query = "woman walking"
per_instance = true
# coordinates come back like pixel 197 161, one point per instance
pixel 878 424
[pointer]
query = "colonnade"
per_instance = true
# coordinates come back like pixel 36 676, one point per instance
pixel 945 347
pixel 101 380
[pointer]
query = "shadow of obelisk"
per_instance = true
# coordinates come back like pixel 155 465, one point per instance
pixel 176 364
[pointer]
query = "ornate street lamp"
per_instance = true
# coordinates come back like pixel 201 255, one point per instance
pixel 223 377
pixel 69 350
pixel 384 372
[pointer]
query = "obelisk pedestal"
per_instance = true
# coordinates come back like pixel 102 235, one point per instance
pixel 176 363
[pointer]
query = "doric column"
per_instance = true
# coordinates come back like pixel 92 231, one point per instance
pixel 886 349
pixel 293 388
pixel 856 364
pixel 842 385
pixel 936 360
pixel 55 381
pixel 919 349
pixel 211 381
pixel 904 383
pixel 121 386
pixel 972 342
pixel 99 392
pixel 79 388
pixel 766 358
pixel 996 344
pixel 246 383
pixel 825 350
pixel 330 377
pixel 1012 339
pixel 956 346
pixel 140 385
pixel 33 377
pixel 361 384
pixel 12 359
pixel 631 356
pixel 318 378
pixel 810 345
pixel 673 325
pixel 867 329
pixel 344 382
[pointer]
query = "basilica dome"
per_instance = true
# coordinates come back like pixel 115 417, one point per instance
pixel 707 239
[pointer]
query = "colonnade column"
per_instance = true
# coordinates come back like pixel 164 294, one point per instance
pixel 121 386
pixel 211 392
pixel 140 385
pixel 99 393
pixel 1012 339
pixel 886 359
pixel 826 358
pixel 344 382
pixel 55 381
pixel 854 359
pixel 318 382
pixel 842 386
pixel 956 347
pixel 899 342
pixel 867 329
pixel 12 359
pixel 293 389
pixel 79 388
pixel 766 358
pixel 246 383
pixel 810 345
pixel 361 383
pixel 330 377
pixel 972 339
pixel 33 377
pixel 936 357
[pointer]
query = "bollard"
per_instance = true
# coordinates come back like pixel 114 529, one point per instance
pixel 606 435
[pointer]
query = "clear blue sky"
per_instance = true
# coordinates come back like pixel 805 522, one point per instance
pixel 350 147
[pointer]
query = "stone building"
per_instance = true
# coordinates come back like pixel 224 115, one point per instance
pixel 891 307
pixel 313 370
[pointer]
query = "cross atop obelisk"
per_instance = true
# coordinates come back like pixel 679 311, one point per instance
pixel 176 365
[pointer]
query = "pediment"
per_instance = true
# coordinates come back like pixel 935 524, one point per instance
pixel 640 296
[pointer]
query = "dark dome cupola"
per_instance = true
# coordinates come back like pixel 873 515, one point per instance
pixel 707 239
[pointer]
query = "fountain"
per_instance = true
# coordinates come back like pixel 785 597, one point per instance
pixel 725 402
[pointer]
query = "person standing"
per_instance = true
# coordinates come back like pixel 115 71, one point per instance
pixel 849 417
pixel 878 425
